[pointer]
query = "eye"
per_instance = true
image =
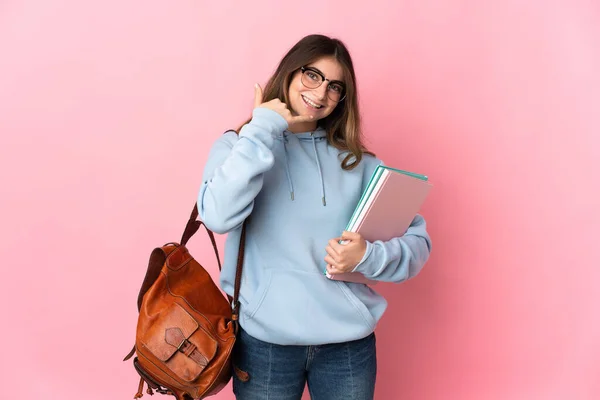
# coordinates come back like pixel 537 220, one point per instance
pixel 313 75
pixel 337 88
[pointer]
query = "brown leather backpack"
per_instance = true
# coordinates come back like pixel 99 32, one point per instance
pixel 186 327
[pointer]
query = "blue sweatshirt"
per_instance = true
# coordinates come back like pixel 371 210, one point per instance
pixel 298 197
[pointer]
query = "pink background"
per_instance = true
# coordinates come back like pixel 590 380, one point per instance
pixel 107 111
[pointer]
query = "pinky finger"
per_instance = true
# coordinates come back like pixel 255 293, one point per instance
pixel 332 270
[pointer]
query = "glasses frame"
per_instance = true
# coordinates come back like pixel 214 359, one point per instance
pixel 323 79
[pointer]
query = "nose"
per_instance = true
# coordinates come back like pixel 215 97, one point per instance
pixel 321 91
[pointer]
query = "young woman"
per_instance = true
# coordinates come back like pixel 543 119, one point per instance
pixel 296 170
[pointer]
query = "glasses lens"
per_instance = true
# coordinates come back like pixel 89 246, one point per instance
pixel 311 79
pixel 335 92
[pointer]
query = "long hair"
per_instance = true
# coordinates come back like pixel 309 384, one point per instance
pixel 343 125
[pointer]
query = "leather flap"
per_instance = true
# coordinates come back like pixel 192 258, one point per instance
pixel 178 258
pixel 173 319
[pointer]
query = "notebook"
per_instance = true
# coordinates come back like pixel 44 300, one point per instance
pixel 388 205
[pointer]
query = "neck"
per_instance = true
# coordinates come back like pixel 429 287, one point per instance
pixel 303 127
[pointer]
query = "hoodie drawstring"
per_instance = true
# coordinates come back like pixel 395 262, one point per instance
pixel 289 176
pixel 320 172
pixel 287 169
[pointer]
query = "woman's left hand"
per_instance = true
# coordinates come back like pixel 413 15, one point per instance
pixel 345 257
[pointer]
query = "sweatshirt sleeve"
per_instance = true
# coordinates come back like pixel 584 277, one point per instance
pixel 400 258
pixel 233 174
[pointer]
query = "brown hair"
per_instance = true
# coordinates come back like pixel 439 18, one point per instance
pixel 343 125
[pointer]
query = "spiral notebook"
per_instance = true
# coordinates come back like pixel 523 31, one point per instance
pixel 388 205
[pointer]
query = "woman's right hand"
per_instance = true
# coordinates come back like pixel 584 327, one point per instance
pixel 279 107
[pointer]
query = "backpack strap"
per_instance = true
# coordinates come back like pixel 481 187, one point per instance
pixel 192 227
pixel 238 276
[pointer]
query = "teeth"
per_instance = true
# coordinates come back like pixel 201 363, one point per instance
pixel 312 103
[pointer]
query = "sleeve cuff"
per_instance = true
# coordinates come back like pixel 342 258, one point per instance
pixel 362 266
pixel 269 119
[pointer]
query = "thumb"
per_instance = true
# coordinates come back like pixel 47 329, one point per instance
pixel 349 235
pixel 258 95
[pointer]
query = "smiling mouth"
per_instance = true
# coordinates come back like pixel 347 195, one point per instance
pixel 311 103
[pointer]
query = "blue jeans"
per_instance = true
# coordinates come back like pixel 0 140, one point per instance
pixel 344 371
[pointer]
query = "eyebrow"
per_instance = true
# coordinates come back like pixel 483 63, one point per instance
pixel 332 81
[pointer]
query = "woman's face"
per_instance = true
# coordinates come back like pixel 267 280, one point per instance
pixel 320 101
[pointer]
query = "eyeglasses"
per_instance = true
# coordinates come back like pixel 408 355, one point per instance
pixel 312 78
